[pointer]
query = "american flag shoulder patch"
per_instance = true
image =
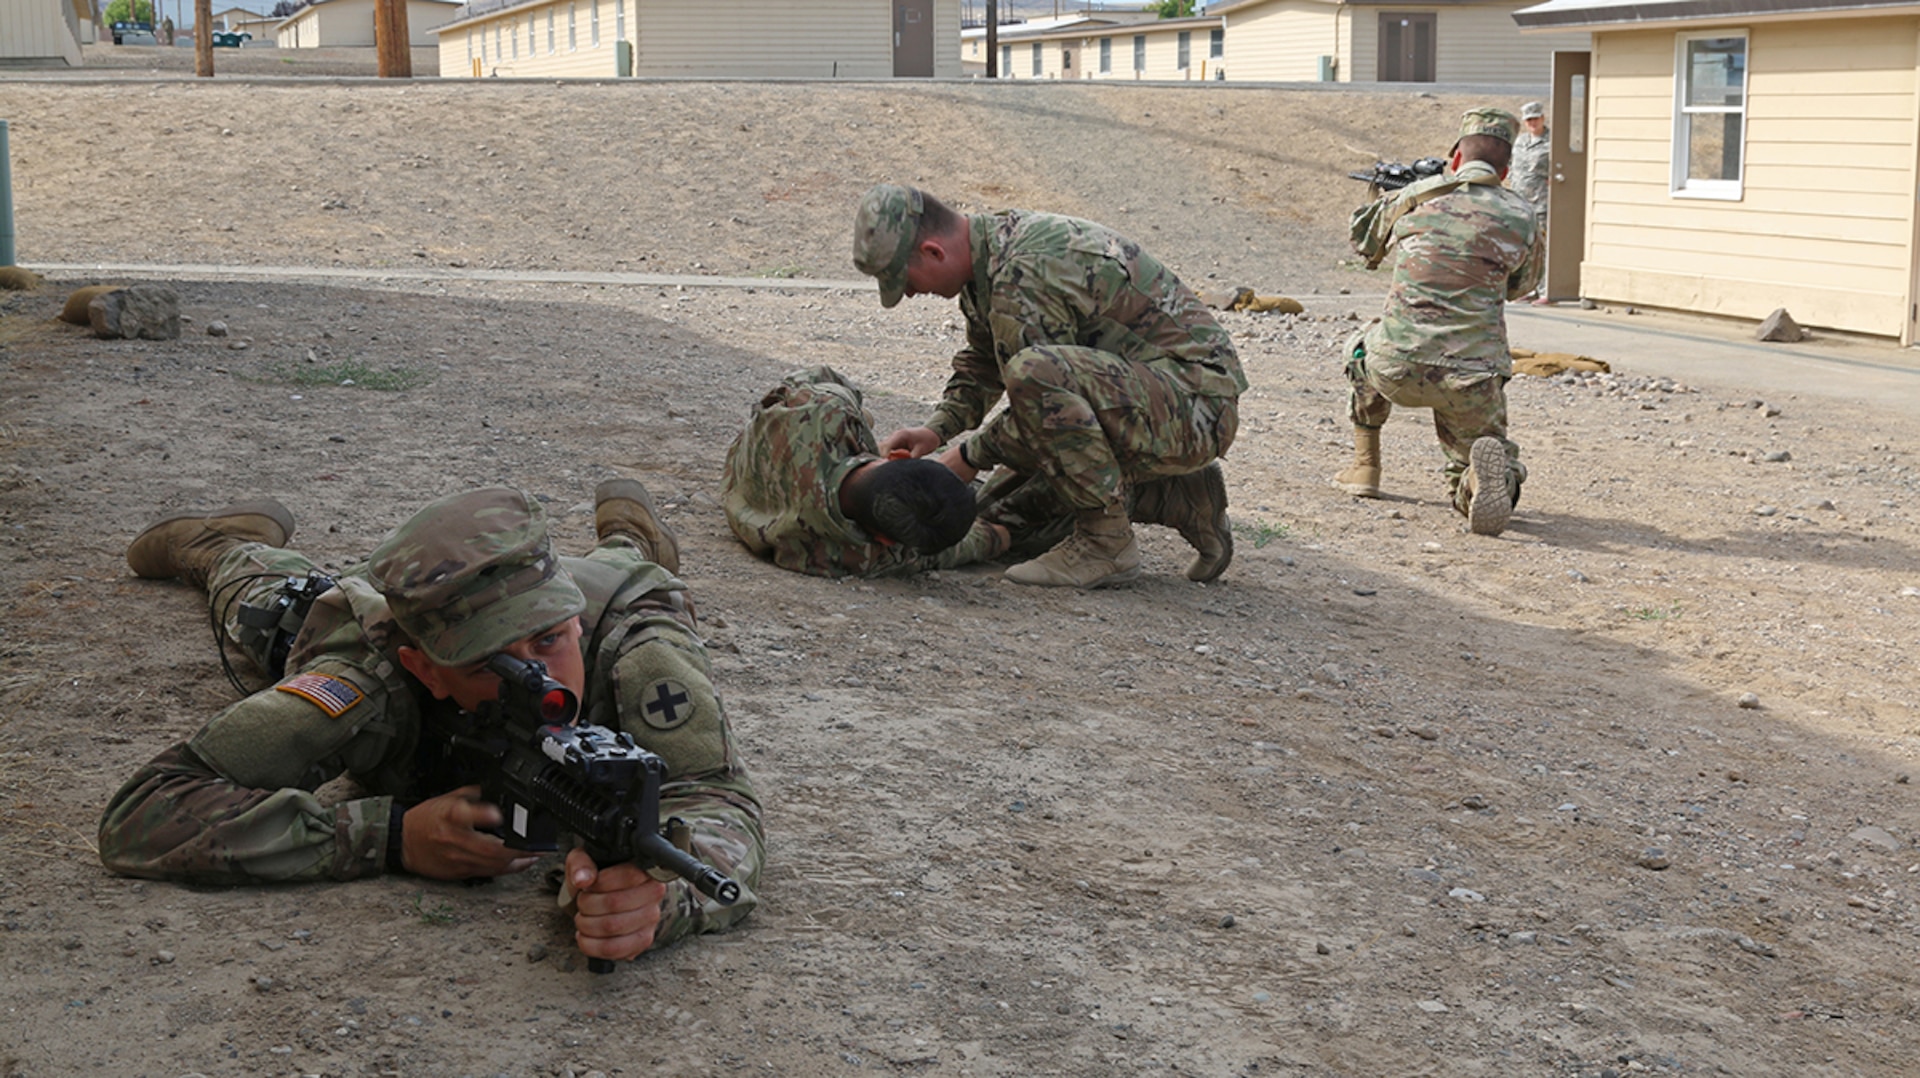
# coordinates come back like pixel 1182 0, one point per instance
pixel 330 694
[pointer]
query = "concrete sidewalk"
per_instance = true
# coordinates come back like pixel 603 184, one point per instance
pixel 1724 356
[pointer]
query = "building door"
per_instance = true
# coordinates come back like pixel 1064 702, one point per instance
pixel 1067 70
pixel 1406 46
pixel 1567 174
pixel 912 39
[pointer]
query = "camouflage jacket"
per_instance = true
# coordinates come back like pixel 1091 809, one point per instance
pixel 235 803
pixel 1040 278
pixel 1467 245
pixel 1531 154
pixel 781 485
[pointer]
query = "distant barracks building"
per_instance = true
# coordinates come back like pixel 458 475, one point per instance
pixel 604 39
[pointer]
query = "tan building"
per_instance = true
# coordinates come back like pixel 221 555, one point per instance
pixel 1111 47
pixel 329 23
pixel 847 39
pixel 38 32
pixel 262 27
pixel 1740 157
pixel 1383 41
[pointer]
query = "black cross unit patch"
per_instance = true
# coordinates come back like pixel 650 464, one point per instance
pixel 666 704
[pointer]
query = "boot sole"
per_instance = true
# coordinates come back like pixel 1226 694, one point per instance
pixel 1490 509
pixel 1124 576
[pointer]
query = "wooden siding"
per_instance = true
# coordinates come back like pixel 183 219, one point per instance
pixel 36 30
pixel 713 39
pixel 1472 43
pixel 1833 245
pixel 349 23
pixel 502 45
pixel 1162 54
pixel 1283 42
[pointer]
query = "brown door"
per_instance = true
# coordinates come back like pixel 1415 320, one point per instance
pixel 1567 134
pixel 912 39
pixel 1067 70
pixel 1406 46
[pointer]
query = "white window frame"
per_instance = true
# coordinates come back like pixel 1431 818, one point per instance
pixel 593 24
pixel 619 20
pixel 1681 185
pixel 573 27
pixel 1006 61
pixel 1183 50
pixel 1039 60
pixel 1216 44
pixel 1106 56
pixel 1139 53
pixel 550 37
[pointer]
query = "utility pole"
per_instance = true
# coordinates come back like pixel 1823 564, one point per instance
pixel 993 39
pixel 203 38
pixel 390 39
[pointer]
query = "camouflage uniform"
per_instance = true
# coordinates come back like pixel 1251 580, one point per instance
pixel 1114 372
pixel 1532 162
pixel 235 803
pixel 1467 245
pixel 781 485
pixel 1528 172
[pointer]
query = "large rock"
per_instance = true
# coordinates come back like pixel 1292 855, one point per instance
pixel 1781 327
pixel 145 312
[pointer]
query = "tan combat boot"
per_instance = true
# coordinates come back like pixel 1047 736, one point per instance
pixel 1100 551
pixel 186 546
pixel 623 507
pixel 1196 505
pixel 1362 480
pixel 1484 494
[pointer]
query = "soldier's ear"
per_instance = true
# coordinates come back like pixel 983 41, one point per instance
pixel 429 673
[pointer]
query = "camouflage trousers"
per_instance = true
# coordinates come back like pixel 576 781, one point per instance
pixel 1467 406
pixel 249 575
pixel 1093 423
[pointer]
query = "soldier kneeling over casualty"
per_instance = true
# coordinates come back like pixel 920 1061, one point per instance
pixel 1116 376
pixel 391 661
pixel 805 487
pixel 1467 246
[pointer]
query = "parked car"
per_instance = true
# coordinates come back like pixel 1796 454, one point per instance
pixel 138 37
pixel 122 29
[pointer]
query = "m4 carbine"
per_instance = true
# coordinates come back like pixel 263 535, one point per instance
pixel 552 778
pixel 1390 176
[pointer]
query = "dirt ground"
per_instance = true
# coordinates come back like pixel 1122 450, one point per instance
pixel 1388 799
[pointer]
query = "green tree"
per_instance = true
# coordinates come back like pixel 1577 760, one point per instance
pixel 1172 9
pixel 117 11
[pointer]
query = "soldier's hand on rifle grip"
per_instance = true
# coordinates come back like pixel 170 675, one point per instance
pixel 616 910
pixel 445 838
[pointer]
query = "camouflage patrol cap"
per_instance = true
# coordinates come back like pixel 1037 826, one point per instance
pixel 883 234
pixel 471 573
pixel 1532 109
pixel 1489 121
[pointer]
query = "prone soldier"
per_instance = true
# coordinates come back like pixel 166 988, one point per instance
pixel 385 663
